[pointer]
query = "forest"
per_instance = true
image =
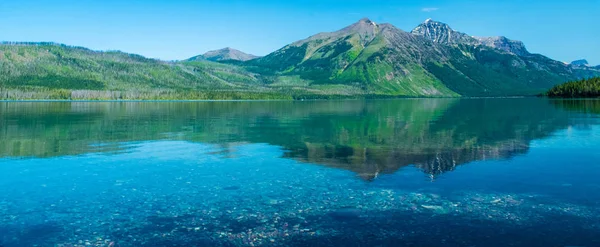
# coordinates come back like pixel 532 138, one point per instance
pixel 587 88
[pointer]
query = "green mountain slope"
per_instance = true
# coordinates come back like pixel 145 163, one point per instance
pixel 493 66
pixel 377 59
pixel 365 59
pixel 432 60
pixel 56 71
pixel 49 70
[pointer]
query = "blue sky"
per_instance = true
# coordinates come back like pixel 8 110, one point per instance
pixel 178 29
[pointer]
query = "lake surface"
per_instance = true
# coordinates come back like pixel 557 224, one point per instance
pixel 411 172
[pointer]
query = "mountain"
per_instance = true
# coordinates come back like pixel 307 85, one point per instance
pixel 49 70
pixel 441 33
pixel 30 70
pixel 502 43
pixel 431 60
pixel 225 54
pixel 581 62
pixel 365 59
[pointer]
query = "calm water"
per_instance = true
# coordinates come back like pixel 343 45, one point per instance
pixel 418 172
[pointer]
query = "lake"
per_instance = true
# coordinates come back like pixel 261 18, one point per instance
pixel 406 172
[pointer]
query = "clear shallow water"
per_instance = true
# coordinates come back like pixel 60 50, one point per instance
pixel 430 172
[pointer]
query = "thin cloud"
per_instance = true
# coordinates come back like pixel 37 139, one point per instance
pixel 429 9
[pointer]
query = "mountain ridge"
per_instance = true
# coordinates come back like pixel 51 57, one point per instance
pixel 224 54
pixel 431 60
pixel 442 33
pixel 580 62
pixel 364 59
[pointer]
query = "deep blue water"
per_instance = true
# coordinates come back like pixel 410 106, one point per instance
pixel 430 172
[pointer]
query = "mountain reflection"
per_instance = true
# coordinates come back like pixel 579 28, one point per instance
pixel 579 105
pixel 366 137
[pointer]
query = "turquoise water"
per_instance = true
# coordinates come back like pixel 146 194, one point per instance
pixel 412 172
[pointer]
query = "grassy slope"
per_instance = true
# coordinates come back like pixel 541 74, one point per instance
pixel 54 71
pixel 482 71
pixel 394 62
pixel 384 63
pixel 46 70
pixel 352 61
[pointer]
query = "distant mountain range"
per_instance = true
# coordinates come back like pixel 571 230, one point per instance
pixel 584 63
pixel 365 59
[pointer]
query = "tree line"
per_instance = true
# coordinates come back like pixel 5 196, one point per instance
pixel 585 88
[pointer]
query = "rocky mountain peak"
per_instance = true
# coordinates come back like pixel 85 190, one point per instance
pixel 502 43
pixel 431 22
pixel 365 28
pixel 429 26
pixel 367 21
pixel 442 33
pixel 362 26
pixel 580 62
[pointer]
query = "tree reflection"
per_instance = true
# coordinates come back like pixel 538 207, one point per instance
pixel 366 137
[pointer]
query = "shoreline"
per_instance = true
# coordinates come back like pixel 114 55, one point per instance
pixel 275 100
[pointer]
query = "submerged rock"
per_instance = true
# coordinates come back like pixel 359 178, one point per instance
pixel 345 214
pixel 436 209
pixel 274 202
pixel 232 188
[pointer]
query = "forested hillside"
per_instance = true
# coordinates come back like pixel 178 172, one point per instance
pixel 577 89
pixel 54 71
pixel 57 71
pixel 365 59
